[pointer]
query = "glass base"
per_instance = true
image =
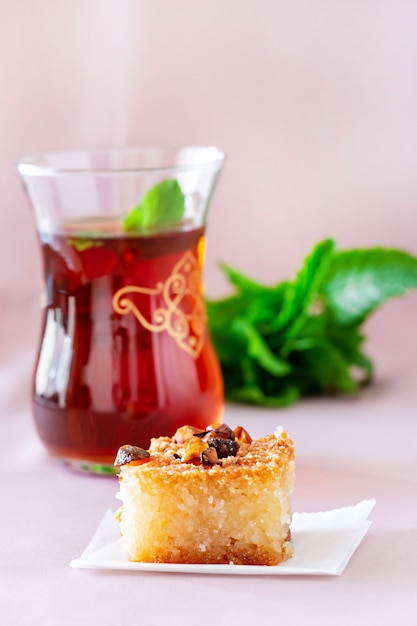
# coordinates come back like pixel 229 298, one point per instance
pixel 88 467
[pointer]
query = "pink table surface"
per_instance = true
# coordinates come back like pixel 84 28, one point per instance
pixel 347 450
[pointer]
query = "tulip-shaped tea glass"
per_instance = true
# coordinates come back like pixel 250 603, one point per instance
pixel 124 353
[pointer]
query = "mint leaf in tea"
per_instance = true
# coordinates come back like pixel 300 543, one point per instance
pixel 161 207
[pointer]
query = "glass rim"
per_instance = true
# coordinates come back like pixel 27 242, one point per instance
pixel 31 165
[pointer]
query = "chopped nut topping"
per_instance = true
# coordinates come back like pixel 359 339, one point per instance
pixel 217 445
pixel 193 449
pixel 224 447
pixel 209 456
pixel 242 435
pixel 128 453
pixel 222 431
pixel 184 433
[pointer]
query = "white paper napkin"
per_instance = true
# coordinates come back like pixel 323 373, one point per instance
pixel 323 545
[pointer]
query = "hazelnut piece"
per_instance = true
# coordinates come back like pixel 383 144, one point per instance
pixel 193 449
pixel 184 433
pixel 242 435
pixel 209 456
pixel 127 453
pixel 222 431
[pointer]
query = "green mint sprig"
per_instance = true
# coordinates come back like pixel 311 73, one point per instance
pixel 300 338
pixel 160 208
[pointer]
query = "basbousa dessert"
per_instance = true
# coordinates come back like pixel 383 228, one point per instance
pixel 212 496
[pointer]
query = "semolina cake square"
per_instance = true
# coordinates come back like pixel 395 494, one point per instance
pixel 179 507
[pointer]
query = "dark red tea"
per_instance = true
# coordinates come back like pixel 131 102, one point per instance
pixel 124 354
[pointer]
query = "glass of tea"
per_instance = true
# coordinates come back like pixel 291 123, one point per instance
pixel 124 353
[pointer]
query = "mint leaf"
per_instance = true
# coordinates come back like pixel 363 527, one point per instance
pixel 303 292
pixel 258 302
pixel 257 348
pixel 358 281
pixel 83 243
pixel 161 207
pixel 255 395
pixel 327 368
pixel 244 284
pixel 228 342
pixel 222 312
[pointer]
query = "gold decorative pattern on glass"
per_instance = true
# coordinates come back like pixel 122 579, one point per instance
pixel 181 312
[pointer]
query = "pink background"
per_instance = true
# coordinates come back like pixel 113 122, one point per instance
pixel 315 103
